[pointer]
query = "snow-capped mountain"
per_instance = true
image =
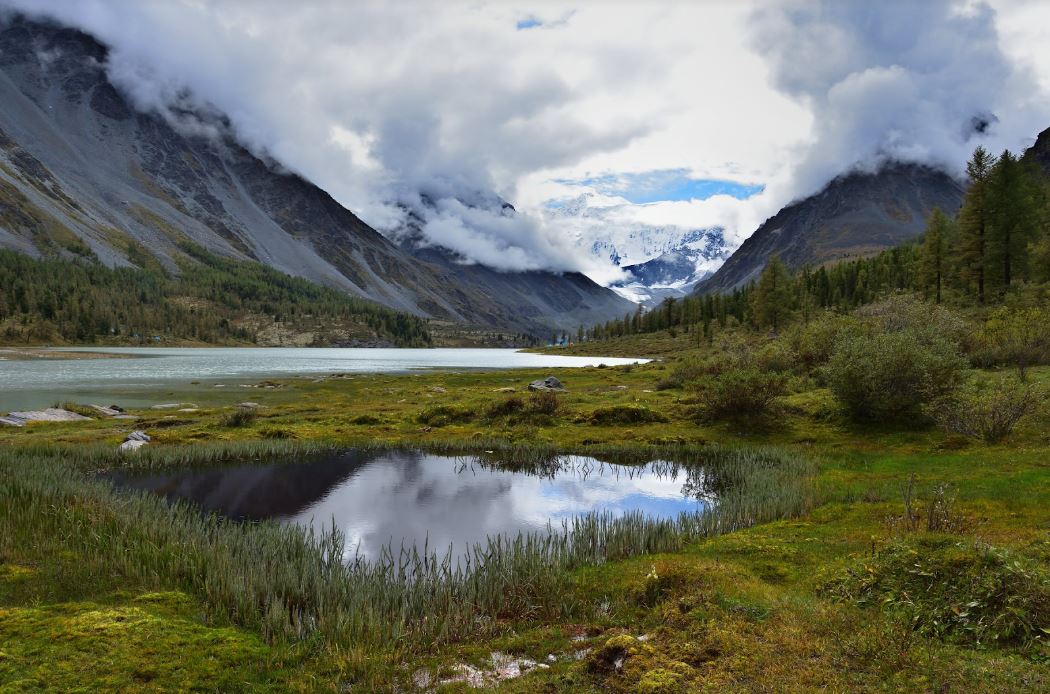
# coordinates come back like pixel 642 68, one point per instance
pixel 674 273
pixel 662 260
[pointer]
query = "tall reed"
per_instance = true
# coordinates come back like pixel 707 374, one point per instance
pixel 291 582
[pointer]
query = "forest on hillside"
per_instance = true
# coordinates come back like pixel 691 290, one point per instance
pixel 210 300
pixel 994 252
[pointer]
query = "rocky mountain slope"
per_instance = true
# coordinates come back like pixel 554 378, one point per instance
pixel 1039 152
pixel 856 214
pixel 84 173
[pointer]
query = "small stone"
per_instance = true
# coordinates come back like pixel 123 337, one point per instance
pixel 437 389
pixel 248 405
pixel 505 390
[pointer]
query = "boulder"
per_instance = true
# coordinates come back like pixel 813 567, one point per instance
pixel 13 421
pixel 109 411
pixel 248 405
pixel 548 384
pixel 131 445
pixel 51 414
pixel 137 436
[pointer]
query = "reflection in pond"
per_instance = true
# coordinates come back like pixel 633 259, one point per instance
pixel 407 497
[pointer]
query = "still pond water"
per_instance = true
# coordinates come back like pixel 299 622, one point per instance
pixel 144 370
pixel 388 498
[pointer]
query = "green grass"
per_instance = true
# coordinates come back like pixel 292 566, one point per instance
pixel 747 610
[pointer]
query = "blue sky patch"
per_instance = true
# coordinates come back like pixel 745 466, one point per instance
pixel 528 23
pixel 664 185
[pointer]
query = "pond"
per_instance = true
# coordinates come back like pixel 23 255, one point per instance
pixel 392 497
pixel 27 384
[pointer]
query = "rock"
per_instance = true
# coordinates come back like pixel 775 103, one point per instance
pixel 619 387
pixel 188 409
pixel 248 405
pixel 131 445
pixel 437 389
pixel 13 421
pixel 165 406
pixel 109 411
pixel 505 390
pixel 51 414
pixel 549 384
pixel 137 436
pixel 125 416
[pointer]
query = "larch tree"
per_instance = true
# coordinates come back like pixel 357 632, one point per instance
pixel 973 222
pixel 934 260
pixel 771 300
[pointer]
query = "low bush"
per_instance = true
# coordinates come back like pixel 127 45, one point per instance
pixel 1019 337
pixel 811 343
pixel 366 419
pixel 625 414
pixel 742 392
pixel 238 417
pixel 504 408
pixel 890 376
pixel 959 590
pixel 443 415
pixel 543 403
pixel 988 414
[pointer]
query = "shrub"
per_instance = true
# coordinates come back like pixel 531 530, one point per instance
pixel 442 415
pixel 239 417
pixel 276 433
pixel 543 403
pixel 504 408
pixel 989 415
pixel 960 591
pixel 626 414
pixel 1020 337
pixel 742 392
pixel 683 372
pixel 366 419
pixel 889 376
pixel 812 342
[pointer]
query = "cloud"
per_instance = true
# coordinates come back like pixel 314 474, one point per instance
pixel 896 80
pixel 449 109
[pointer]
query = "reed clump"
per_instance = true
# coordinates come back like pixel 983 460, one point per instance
pixel 291 582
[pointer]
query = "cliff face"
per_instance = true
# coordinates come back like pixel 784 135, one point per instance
pixel 79 165
pixel 856 214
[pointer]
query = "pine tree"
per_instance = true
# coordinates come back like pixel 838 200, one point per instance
pixel 934 252
pixel 771 300
pixel 973 221
pixel 1012 217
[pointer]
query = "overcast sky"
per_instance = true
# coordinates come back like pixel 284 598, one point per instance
pixel 691 114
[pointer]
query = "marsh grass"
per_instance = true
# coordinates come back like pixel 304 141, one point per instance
pixel 291 582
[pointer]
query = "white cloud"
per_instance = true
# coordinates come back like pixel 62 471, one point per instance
pixel 379 102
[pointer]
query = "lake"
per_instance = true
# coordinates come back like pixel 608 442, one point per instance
pixel 394 497
pixel 136 378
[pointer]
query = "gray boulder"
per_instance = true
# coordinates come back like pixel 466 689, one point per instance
pixel 548 384
pixel 138 436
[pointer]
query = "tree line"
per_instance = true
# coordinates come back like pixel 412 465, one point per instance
pixel 999 240
pixel 82 300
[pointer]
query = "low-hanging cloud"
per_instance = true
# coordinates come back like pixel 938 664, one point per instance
pixel 378 103
pixel 896 80
pixel 441 111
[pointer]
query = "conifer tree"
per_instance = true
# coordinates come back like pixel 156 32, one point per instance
pixel 934 259
pixel 771 300
pixel 973 222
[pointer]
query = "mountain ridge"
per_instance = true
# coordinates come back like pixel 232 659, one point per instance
pixel 858 213
pixel 79 167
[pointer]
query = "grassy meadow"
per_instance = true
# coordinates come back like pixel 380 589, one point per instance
pixel 852 555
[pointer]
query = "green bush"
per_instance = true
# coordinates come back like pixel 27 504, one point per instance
pixel 504 408
pixel 625 414
pixel 442 415
pixel 899 355
pixel 239 417
pixel 812 342
pixel 960 591
pixel 742 392
pixel 989 414
pixel 1020 337
pixel 366 419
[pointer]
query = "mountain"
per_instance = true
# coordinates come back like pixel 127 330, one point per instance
pixel 676 272
pixel 82 172
pixel 856 214
pixel 1039 153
